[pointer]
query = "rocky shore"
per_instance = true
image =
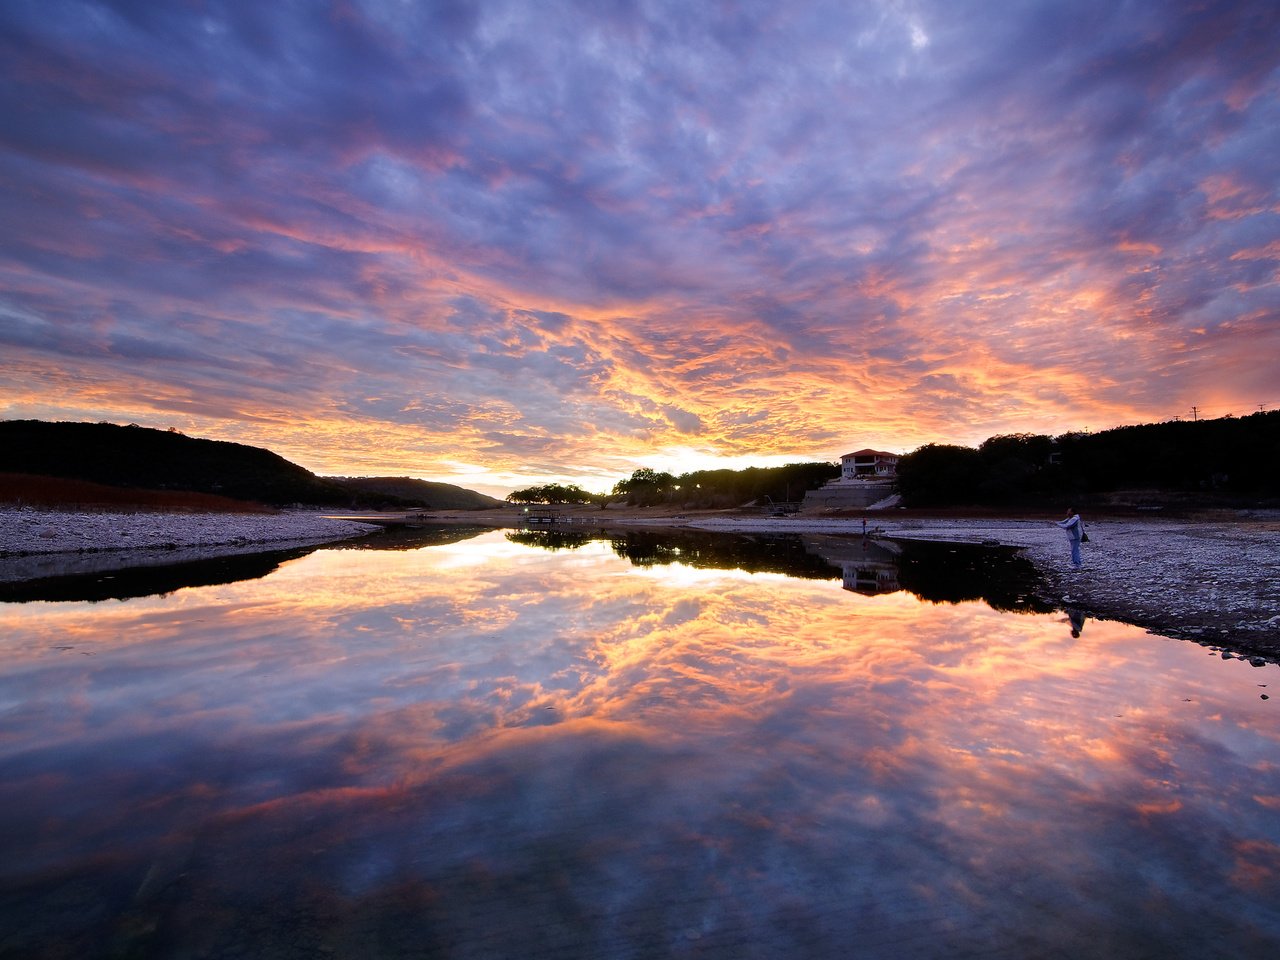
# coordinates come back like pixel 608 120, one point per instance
pixel 47 543
pixel 1215 581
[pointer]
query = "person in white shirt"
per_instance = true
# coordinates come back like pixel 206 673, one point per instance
pixel 1075 533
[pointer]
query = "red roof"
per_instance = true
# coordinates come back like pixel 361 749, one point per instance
pixel 869 453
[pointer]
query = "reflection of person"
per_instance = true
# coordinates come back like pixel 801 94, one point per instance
pixel 1075 533
pixel 1076 617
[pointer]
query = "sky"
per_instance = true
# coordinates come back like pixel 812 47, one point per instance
pixel 505 242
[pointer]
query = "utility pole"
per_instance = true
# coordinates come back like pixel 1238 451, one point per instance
pixel 1195 413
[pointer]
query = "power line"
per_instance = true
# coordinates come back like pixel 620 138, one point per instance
pixel 1198 413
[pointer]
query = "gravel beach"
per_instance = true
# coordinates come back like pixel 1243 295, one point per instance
pixel 49 543
pixel 1214 581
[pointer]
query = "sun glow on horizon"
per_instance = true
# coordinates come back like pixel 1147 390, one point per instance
pixel 579 244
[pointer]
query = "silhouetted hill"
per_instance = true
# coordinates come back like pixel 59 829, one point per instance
pixel 426 494
pixel 42 490
pixel 143 458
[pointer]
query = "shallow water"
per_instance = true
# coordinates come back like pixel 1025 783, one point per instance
pixel 638 746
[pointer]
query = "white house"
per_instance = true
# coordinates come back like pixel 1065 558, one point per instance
pixel 868 465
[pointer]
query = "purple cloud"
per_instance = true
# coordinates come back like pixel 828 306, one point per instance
pixel 608 228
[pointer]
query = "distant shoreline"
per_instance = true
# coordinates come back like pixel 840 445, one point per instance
pixel 1212 580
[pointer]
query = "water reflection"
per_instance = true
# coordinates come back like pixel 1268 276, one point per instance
pixel 937 572
pixel 477 749
pixel 1075 617
pixel 117 581
pixel 866 566
pixel 121 583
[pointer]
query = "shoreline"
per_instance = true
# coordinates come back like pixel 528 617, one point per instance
pixel 38 543
pixel 1214 581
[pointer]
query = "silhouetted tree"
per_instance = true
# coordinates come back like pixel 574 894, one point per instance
pixel 645 487
pixel 1230 457
pixel 940 475
pixel 552 493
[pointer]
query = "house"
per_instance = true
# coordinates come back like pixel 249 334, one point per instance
pixel 868 465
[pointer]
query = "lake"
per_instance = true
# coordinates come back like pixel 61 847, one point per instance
pixel 475 744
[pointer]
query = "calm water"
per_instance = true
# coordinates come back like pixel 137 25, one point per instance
pixel 556 746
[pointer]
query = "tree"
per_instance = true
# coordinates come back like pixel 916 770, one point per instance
pixel 1030 448
pixel 940 474
pixel 552 493
pixel 1014 465
pixel 645 487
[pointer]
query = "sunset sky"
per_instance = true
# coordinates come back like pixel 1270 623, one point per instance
pixel 507 242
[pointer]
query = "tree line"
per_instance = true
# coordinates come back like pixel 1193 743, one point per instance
pixel 698 489
pixel 1220 459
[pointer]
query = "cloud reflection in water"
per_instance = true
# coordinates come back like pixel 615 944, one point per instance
pixel 479 749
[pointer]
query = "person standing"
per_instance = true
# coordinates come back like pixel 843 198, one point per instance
pixel 1074 527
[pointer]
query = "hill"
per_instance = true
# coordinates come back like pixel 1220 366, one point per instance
pixel 425 494
pixel 145 459
pixel 51 493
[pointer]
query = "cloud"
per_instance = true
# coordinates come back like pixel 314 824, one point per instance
pixel 604 228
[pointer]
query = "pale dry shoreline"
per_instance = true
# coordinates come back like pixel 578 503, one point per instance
pixel 1215 581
